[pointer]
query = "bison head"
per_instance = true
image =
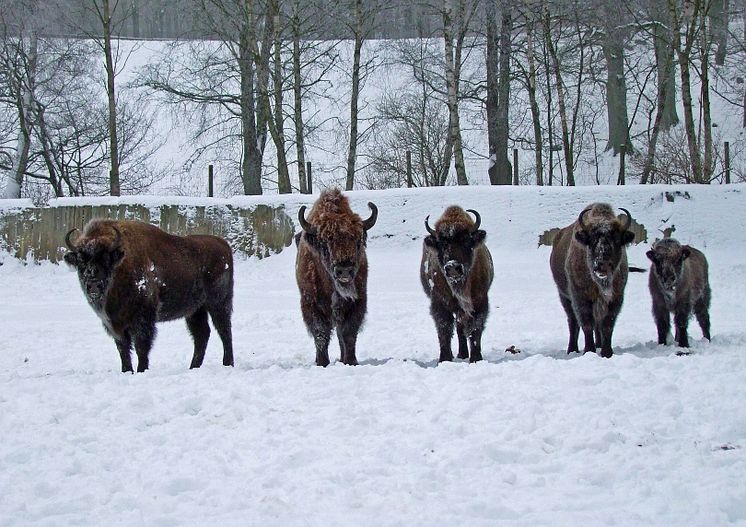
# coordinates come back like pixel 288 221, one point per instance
pixel 454 239
pixel 668 257
pixel 339 239
pixel 94 257
pixel 604 239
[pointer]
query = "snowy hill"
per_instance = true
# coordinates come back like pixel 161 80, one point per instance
pixel 538 438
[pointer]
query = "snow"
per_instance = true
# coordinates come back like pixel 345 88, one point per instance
pixel 536 438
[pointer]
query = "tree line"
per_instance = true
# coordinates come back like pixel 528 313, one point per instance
pixel 565 82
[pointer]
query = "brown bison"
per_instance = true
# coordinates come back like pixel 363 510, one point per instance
pixel 456 273
pixel 589 266
pixel 678 283
pixel 134 275
pixel 332 272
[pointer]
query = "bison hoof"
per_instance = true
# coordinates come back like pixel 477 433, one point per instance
pixel 463 355
pixel 606 354
pixel 475 358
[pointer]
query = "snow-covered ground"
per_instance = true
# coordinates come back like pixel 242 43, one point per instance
pixel 539 438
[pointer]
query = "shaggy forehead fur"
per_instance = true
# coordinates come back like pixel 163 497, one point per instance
pixel 454 220
pixel 600 216
pixel 334 220
pixel 98 232
pixel 667 247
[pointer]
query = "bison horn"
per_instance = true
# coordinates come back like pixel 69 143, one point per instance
pixel 367 224
pixel 303 221
pixel 429 229
pixel 67 239
pixel 477 219
pixel 580 218
pixel 628 219
pixel 118 240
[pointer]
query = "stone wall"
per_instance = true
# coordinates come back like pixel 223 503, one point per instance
pixel 39 233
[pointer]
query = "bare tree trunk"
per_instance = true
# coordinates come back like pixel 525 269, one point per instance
pixel 492 88
pixel 106 16
pixel 24 99
pixel 531 88
pixel 567 146
pixel 504 168
pixel 665 65
pixel 251 164
pixel 705 43
pixel 684 55
pixel 300 149
pixel 354 96
pixel 718 14
pixel 452 87
pixel 278 128
pixel 616 91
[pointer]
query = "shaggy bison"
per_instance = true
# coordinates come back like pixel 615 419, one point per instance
pixel 134 275
pixel 678 283
pixel 589 266
pixel 456 273
pixel 332 273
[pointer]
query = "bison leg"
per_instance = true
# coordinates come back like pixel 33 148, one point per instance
pixel 463 346
pixel 701 311
pixel 200 331
pixel 221 319
pixel 607 328
pixel 662 321
pixel 587 324
pixel 144 337
pixel 681 321
pixel 444 326
pixel 124 345
pixel 348 317
pixel 572 324
pixel 475 343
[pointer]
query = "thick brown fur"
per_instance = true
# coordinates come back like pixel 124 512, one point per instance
pixel 456 272
pixel 679 284
pixel 332 273
pixel 134 274
pixel 589 266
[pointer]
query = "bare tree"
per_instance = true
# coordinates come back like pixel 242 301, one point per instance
pixel 498 89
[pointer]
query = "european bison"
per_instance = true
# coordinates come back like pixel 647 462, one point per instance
pixel 456 273
pixel 134 275
pixel 678 283
pixel 332 273
pixel 589 266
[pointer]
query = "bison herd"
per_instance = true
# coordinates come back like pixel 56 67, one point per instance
pixel 134 275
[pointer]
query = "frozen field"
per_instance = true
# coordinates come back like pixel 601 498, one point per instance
pixel 539 438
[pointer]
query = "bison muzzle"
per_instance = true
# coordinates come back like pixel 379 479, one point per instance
pixel 134 275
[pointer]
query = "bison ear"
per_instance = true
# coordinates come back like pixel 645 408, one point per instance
pixel 685 253
pixel 650 255
pixel 628 237
pixel 583 237
pixel 71 258
pixel 115 255
pixel 430 241
pixel 478 236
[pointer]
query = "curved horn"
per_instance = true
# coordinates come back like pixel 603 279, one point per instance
pixel 67 239
pixel 580 218
pixel 118 240
pixel 477 219
pixel 627 223
pixel 429 229
pixel 303 221
pixel 367 224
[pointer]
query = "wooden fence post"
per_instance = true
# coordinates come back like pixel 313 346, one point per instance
pixel 727 163
pixel 409 169
pixel 308 175
pixel 515 166
pixel 209 181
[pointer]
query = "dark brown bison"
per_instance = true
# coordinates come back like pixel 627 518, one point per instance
pixel 456 273
pixel 134 275
pixel 589 266
pixel 678 283
pixel 332 273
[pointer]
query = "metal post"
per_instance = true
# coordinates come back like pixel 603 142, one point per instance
pixel 209 181
pixel 409 169
pixel 515 166
pixel 308 175
pixel 727 163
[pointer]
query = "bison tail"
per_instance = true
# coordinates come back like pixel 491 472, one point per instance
pixel 637 270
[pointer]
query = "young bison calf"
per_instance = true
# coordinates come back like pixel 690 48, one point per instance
pixel 678 284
